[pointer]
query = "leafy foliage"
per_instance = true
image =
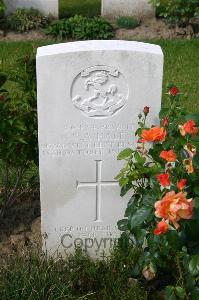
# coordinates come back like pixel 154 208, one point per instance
pixel 2 9
pixel 162 174
pixel 127 22
pixel 177 11
pixel 23 20
pixel 81 28
pixel 18 128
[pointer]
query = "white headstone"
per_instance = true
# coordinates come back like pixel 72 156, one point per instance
pixel 89 96
pixel 136 8
pixel 44 6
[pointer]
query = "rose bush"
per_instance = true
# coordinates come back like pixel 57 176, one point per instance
pixel 162 216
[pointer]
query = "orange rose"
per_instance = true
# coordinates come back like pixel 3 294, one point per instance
pixel 189 127
pixel 174 207
pixel 169 156
pixel 155 134
pixel 164 179
pixel 181 184
pixel 162 227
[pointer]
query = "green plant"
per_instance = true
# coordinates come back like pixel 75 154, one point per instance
pixel 81 28
pixel 18 129
pixel 2 9
pixel 162 216
pixel 23 20
pixel 127 22
pixel 177 11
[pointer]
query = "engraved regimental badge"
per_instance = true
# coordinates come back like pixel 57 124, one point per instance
pixel 99 91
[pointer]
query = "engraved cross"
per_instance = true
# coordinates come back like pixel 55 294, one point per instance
pixel 98 185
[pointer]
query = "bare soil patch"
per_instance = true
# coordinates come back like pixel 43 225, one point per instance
pixel 149 29
pixel 156 29
pixel 33 35
pixel 20 228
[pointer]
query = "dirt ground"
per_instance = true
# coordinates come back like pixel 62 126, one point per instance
pixel 20 227
pixel 149 29
pixel 156 29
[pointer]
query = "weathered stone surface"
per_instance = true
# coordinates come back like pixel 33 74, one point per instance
pixel 136 8
pixel 45 6
pixel 89 96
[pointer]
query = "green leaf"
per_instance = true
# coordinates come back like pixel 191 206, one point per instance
pixel 194 265
pixel 173 239
pixel 140 159
pixel 139 234
pixel 122 224
pixel 180 292
pixel 125 189
pixel 196 201
pixel 137 268
pixel 196 161
pixel 125 153
pixel 196 190
pixel 140 216
pixel 123 181
pixel 170 292
pixel 195 294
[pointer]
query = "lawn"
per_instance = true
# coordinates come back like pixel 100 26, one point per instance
pixel 181 65
pixel 89 8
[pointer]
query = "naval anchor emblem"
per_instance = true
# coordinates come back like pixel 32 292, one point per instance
pixel 99 91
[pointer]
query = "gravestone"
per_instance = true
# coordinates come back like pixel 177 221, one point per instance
pixel 136 8
pixel 44 6
pixel 89 96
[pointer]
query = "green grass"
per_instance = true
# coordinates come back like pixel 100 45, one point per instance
pixel 32 277
pixel 88 8
pixel 181 65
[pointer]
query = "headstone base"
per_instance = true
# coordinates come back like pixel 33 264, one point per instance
pixel 140 9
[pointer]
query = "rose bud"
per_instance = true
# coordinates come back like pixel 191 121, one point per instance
pixel 148 272
pixel 173 91
pixel 146 110
pixel 2 98
pixel 161 228
pixel 181 184
pixel 165 122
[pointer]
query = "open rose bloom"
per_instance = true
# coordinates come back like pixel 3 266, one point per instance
pixel 155 134
pixel 174 207
pixel 188 128
pixel 169 156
